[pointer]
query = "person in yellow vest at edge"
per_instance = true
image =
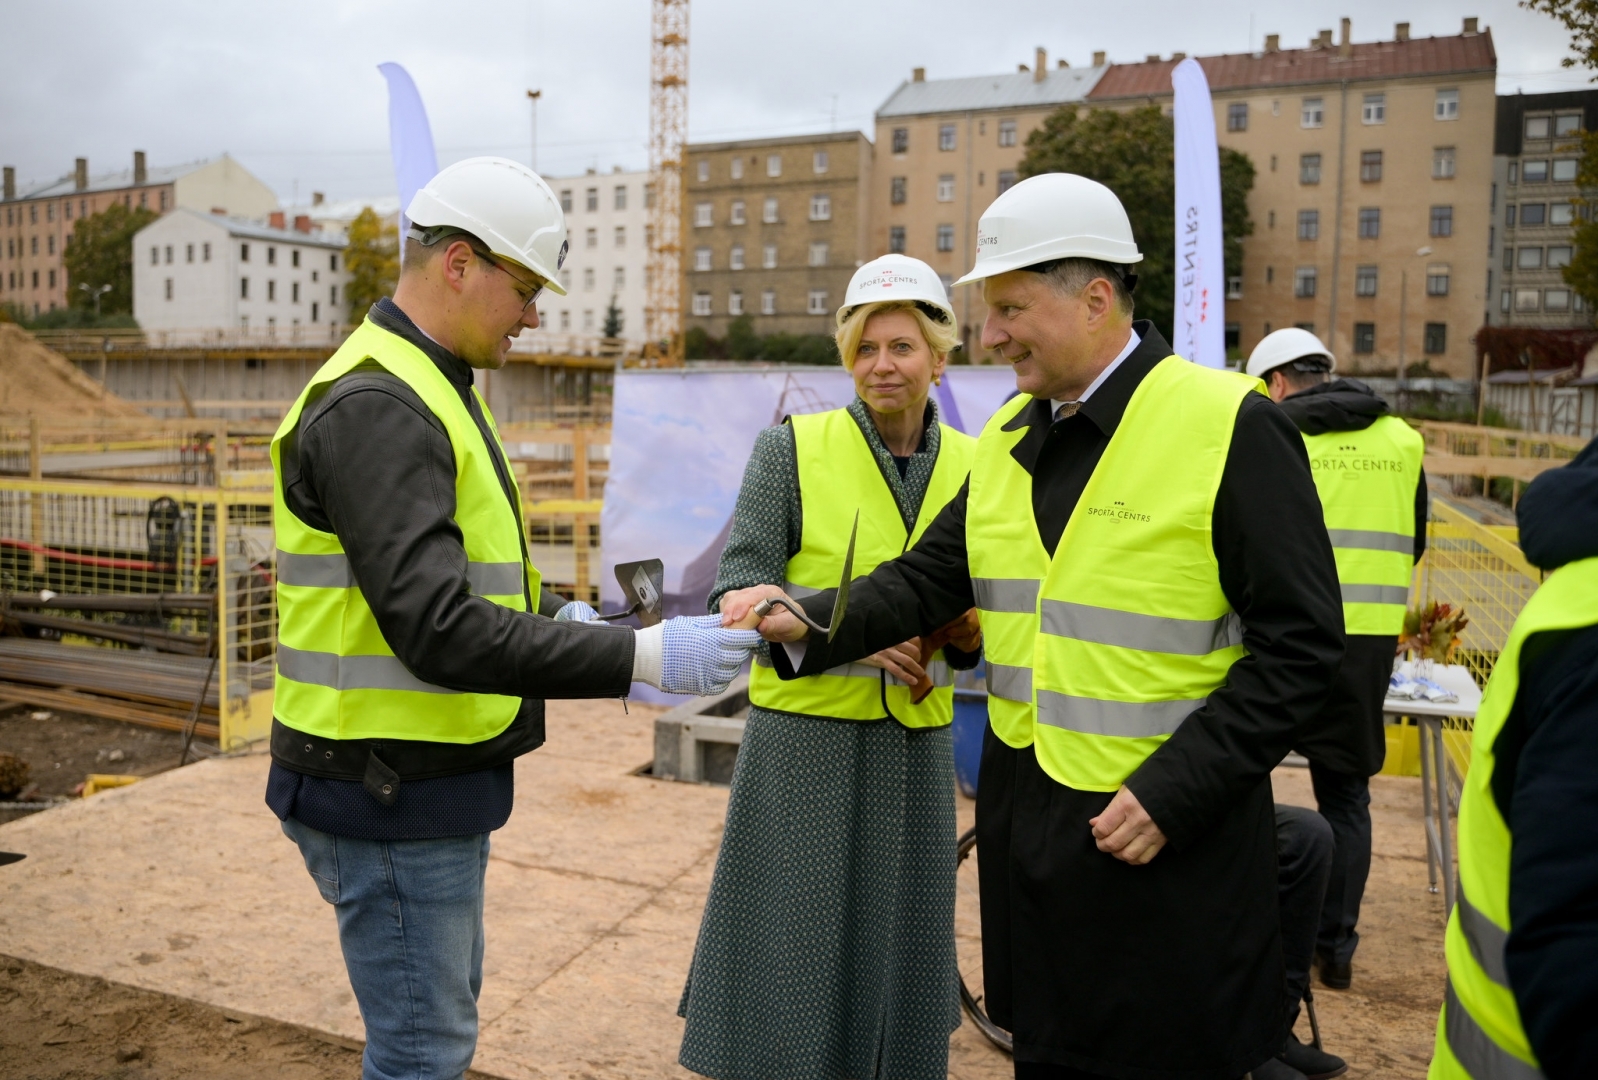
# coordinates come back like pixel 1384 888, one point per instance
pixel 827 946
pixel 1160 617
pixel 415 639
pixel 1522 996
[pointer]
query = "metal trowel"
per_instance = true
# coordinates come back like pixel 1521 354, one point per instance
pixel 643 586
pixel 840 602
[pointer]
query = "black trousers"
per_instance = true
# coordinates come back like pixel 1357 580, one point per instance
pixel 1344 800
pixel 1304 855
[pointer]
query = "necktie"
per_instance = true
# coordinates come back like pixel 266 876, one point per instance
pixel 1066 409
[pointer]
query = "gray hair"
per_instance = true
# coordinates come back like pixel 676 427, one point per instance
pixel 1070 276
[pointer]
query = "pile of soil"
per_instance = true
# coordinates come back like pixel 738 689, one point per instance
pixel 36 379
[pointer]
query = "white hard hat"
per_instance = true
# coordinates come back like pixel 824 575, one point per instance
pixel 504 204
pixel 897 277
pixel 1052 216
pixel 1283 347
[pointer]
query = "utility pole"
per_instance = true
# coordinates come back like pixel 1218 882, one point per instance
pixel 533 96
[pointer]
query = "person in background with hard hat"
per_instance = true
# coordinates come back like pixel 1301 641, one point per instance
pixel 415 649
pixel 1160 617
pixel 1522 939
pixel 1367 468
pixel 827 946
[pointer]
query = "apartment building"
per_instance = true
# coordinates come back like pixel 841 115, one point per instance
pixel 39 218
pixel 607 218
pixel 774 229
pixel 1371 201
pixel 1536 153
pixel 946 148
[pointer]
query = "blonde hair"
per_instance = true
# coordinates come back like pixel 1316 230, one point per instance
pixel 941 338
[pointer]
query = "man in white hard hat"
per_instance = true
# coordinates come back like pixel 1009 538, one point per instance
pixel 415 639
pixel 1160 616
pixel 1367 468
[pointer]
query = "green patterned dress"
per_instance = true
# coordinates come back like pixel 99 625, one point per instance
pixel 827 946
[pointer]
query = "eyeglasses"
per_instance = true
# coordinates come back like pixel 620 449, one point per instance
pixel 518 284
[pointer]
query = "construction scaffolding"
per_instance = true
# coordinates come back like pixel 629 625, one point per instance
pixel 668 133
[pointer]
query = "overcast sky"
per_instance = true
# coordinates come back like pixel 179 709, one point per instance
pixel 291 88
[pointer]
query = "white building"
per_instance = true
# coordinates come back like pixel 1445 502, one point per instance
pixel 215 277
pixel 607 219
pixel 335 216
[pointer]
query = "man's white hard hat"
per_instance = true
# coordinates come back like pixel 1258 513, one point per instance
pixel 897 277
pixel 1052 216
pixel 1283 347
pixel 504 204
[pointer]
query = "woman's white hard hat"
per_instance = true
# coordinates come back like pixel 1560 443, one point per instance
pixel 897 277
pixel 1052 216
pixel 504 204
pixel 1283 347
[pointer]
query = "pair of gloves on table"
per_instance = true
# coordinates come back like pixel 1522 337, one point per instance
pixel 683 655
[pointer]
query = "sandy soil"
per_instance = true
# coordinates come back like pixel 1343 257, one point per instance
pixel 36 379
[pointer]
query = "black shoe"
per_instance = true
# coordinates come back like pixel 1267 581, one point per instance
pixel 1335 975
pixel 1314 1064
pixel 1275 1069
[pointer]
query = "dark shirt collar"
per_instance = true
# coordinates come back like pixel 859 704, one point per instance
pixel 1108 403
pixel 387 315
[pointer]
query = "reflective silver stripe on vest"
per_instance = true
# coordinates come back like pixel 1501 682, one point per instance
pixel 1375 594
pixel 799 592
pixel 1010 682
pixel 1482 1058
pixel 350 672
pixel 1372 540
pixel 1146 633
pixel 844 671
pixel 495 578
pixel 1127 719
pixel 1485 939
pixel 1017 595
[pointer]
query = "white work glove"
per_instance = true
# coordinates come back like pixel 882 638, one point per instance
pixel 691 654
pixel 576 611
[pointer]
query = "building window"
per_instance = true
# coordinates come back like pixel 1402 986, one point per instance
pixel 818 253
pixel 1374 110
pixel 1309 168
pixel 1436 338
pixel 901 140
pixel 817 304
pixel 1532 213
pixel 294 258
pixel 294 293
pixel 769 214
pixel 188 252
pixel 821 208
pixel 565 320
pixel 1304 282
pixel 1537 127
pixel 1309 224
pixel 773 164
pixel 737 217
pixel 735 260
pixel 1447 107
pixel 736 168
pixel 701 259
pixel 1234 335
pixel 1534 172
pixel 591 237
pixel 1006 180
pixel 945 136
pixel 565 200
pixel 1556 300
pixel 1567 124
pixel 621 197
pixel 244 288
pixel 271 256
pixel 735 302
pixel 316 311
pixel 1364 337
pixel 649 196
pixel 168 253
pixel 244 253
pixel 1437 281
pixel 1370 222
pixel 618 278
pixel 768 257
pixel 1234 288
pixel 1270 276
pixel 332 295
pixel 1509 257
pixel 155 253
pixel 701 303
pixel 819 161
pixel 1514 172
pixel 205 252
pixel 1006 132
pixel 1565 171
pixel 588 279
pixel 1527 299
pixel 169 288
pixel 271 291
pixel 1312 113
pixel 945 237
pixel 896 190
pixel 703 215
pixel 896 239
pixel 1442 223
pixel 332 264
pixel 1370 166
pixel 591 200
pixel 946 187
pixel 1365 281
pixel 620 239
pixel 1443 163
pixel 768 302
pixel 1559 256
pixel 1237 116
pixel 1509 215
pixel 1529 258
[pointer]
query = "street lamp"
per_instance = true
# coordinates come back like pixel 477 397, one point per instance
pixel 96 293
pixel 533 96
pixel 1403 298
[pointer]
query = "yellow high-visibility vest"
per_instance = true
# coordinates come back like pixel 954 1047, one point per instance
pixel 1479 1031
pixel 839 474
pixel 337 677
pixel 1366 480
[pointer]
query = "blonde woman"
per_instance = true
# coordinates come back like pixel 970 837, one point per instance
pixel 827 946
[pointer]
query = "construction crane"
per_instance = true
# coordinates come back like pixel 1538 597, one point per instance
pixel 668 132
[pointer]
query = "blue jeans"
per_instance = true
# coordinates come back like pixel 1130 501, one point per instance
pixel 410 921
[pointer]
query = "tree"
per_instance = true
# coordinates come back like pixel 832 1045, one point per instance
pixel 371 255
pixel 613 320
pixel 1133 153
pixel 1580 17
pixel 100 254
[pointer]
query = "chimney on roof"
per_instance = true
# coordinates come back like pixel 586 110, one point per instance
pixel 80 174
pixel 1179 56
pixel 11 183
pixel 1470 26
pixel 302 223
pixel 317 198
pixel 1401 32
pixel 1152 58
pixel 1323 41
pixel 219 211
pixel 1273 43
pixel 275 219
pixel 918 74
pixel 1062 62
pixel 140 175
pixel 1098 58
pixel 1040 70
pixel 1345 47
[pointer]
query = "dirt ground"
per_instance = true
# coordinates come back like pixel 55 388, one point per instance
pixel 36 379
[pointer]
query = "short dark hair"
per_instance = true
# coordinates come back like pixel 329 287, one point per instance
pixel 1305 372
pixel 1070 276
pixel 422 244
